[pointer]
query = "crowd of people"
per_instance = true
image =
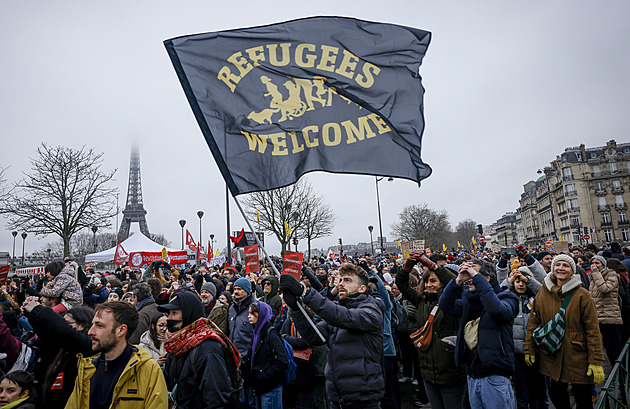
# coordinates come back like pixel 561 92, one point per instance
pixel 468 329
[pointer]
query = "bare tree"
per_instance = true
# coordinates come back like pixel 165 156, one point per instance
pixel 296 205
pixel 419 222
pixel 159 238
pixel 65 192
pixel 465 231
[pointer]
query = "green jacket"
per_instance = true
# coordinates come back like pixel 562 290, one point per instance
pixel 437 364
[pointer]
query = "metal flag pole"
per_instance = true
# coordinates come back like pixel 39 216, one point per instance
pixel 275 270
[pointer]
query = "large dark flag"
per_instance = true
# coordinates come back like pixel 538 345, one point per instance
pixel 324 93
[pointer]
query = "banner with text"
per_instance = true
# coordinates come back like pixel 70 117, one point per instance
pixel 143 258
pixel 4 274
pixel 251 259
pixel 292 264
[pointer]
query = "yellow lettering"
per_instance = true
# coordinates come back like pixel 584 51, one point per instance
pixel 310 58
pixel 241 63
pixel 256 54
pixel 381 126
pixel 310 143
pixel 361 133
pixel 367 79
pixel 347 64
pixel 326 134
pixel 329 56
pixel 273 56
pixel 228 78
pixel 279 143
pixel 253 140
pixel 297 147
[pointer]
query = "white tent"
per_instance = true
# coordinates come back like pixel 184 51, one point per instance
pixel 136 242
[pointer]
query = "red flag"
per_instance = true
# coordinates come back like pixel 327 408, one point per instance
pixel 121 255
pixel 210 252
pixel 238 238
pixel 190 242
pixel 4 274
pixel 201 255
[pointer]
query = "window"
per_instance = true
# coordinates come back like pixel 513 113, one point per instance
pixel 616 184
pixel 622 217
pixel 613 167
pixel 576 236
pixel 596 170
pixel 608 235
pixel 601 201
pixel 599 186
pixel 579 156
pixel 619 199
pixel 570 189
pixel 605 218
pixel 567 174
pixel 572 204
pixel 575 220
pixel 625 234
pixel 593 155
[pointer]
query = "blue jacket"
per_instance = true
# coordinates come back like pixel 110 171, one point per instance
pixel 497 310
pixel 389 349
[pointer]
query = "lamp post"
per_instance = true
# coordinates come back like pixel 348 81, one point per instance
pixel 200 215
pixel 23 243
pixel 182 223
pixel 370 228
pixel 13 233
pixel 94 229
pixel 378 203
pixel 211 242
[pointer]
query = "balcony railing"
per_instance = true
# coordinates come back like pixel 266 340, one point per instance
pixel 603 208
pixel 600 192
pixel 609 223
pixel 571 193
pixel 617 189
pixel 621 206
pixel 574 209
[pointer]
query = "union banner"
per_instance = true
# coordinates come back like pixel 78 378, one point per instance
pixel 324 93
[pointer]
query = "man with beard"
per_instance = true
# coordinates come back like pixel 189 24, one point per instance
pixel 214 309
pixel 121 372
pixel 201 365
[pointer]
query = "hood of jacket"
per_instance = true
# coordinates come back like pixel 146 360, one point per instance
pixel 574 282
pixel 274 285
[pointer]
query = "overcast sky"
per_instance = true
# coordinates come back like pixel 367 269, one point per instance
pixel 509 85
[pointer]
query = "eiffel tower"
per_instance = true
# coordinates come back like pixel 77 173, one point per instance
pixel 134 210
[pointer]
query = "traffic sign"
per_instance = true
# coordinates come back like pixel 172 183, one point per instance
pixel 482 238
pixel 587 237
pixel 549 243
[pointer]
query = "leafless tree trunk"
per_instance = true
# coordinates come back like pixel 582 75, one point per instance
pixel 65 192
pixel 418 222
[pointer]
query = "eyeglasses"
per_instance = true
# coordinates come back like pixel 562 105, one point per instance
pixel 267 283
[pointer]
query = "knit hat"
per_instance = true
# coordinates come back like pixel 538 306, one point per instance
pixel 244 284
pixel 118 291
pixel 542 255
pixel 564 257
pixel 211 288
pixel 324 266
pixel 602 259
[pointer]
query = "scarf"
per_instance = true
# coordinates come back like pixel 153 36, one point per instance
pixel 182 341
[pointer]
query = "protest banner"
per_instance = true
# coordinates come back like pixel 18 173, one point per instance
pixel 251 259
pixel 292 264
pixel 120 256
pixel 4 274
pixel 143 258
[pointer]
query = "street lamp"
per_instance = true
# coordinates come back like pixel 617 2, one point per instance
pixel 370 228
pixel 182 223
pixel 200 215
pixel 94 229
pixel 378 203
pixel 23 242
pixel 14 233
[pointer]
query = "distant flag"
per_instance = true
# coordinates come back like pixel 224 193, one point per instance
pixel 459 245
pixel 216 253
pixel 120 256
pixel 190 242
pixel 4 274
pixel 398 243
pixel 201 254
pixel 443 247
pixel 210 252
pixel 287 229
pixel 427 251
pixel 331 255
pixel 258 216
pixel 560 238
pixel 320 93
pixel 473 240
pixel 238 238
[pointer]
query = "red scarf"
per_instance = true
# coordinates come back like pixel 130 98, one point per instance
pixel 182 341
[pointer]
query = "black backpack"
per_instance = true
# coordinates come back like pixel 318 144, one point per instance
pixel 400 321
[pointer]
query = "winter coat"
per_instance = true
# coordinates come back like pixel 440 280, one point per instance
pixel 141 384
pixel 146 312
pixel 496 310
pixel 240 329
pixel 219 315
pixel 604 289
pixel 353 329
pixel 273 299
pixel 582 343
pixel 266 369
pixel 533 268
pixel 66 287
pixel 146 342
pixel 55 334
pixel 389 348
pixel 525 303
pixel 437 364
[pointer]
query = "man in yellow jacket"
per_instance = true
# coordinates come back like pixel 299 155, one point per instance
pixel 122 375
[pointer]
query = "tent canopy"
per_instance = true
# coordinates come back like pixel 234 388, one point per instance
pixel 136 242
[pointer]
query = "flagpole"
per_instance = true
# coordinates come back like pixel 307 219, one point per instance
pixel 273 266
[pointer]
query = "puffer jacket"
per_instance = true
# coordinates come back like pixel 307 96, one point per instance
pixel 353 330
pixel 241 332
pixel 582 343
pixel 146 342
pixel 437 364
pixel 273 299
pixel 66 287
pixel 604 289
pixel 525 304
pixel 141 384
pixel 496 310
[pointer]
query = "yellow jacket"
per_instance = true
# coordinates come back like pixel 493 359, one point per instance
pixel 140 386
